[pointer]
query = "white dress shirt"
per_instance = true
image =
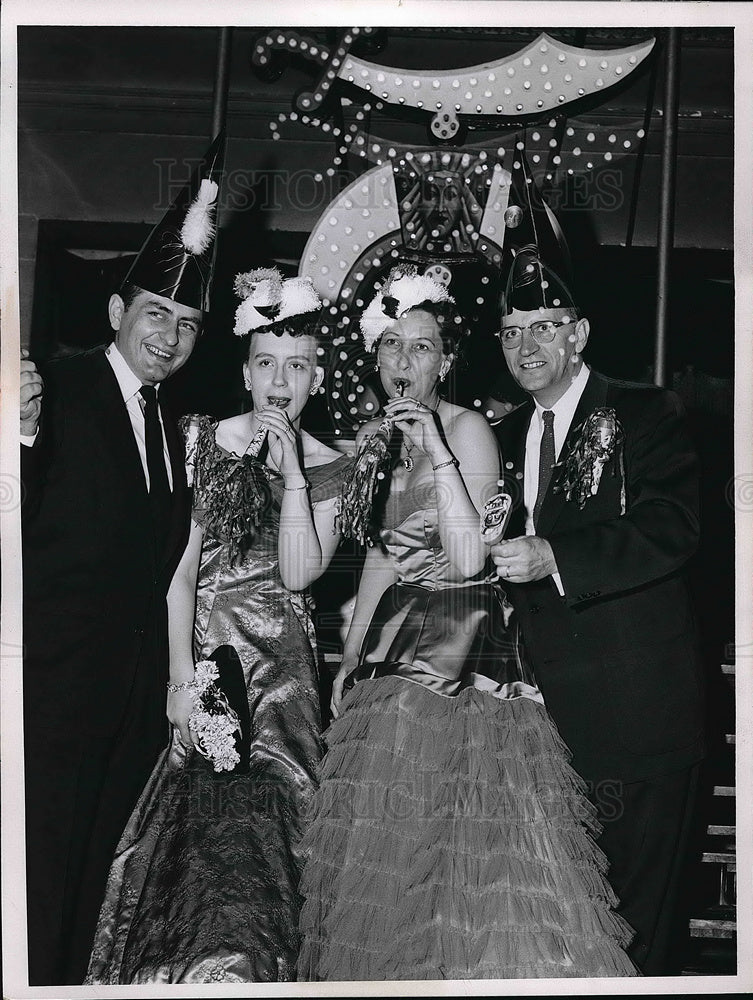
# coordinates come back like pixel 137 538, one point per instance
pixel 129 386
pixel 564 411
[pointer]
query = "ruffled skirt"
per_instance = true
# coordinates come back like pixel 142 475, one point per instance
pixel 451 839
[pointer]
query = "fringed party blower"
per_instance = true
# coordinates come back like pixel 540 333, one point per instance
pixel 360 485
pixel 268 302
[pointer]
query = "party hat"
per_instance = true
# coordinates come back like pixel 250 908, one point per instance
pixel 268 299
pixel 178 257
pixel 532 284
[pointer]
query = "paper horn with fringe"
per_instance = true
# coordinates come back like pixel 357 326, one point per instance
pixel 404 289
pixel 360 486
pixel 236 502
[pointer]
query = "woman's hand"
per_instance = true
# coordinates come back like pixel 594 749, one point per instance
pixel 337 687
pixel 180 705
pixel 283 440
pixel 419 425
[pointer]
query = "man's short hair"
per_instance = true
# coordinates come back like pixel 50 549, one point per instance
pixel 129 292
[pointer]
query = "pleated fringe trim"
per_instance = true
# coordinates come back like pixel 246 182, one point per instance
pixel 451 839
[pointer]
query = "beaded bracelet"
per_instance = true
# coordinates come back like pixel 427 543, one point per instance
pixel 183 686
pixel 443 465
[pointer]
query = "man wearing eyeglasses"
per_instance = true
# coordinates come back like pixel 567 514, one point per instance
pixel 605 490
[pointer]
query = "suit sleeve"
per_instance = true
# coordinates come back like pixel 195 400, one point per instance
pixel 37 458
pixel 659 531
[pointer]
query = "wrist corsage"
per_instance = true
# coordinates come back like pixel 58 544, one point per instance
pixel 213 720
pixel 600 437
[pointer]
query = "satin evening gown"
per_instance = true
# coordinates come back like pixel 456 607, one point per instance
pixel 450 838
pixel 204 884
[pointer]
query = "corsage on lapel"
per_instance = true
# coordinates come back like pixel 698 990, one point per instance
pixel 599 437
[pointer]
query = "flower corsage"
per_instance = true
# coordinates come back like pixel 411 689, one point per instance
pixel 600 437
pixel 213 720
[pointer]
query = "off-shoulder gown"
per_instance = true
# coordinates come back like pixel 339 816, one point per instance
pixel 204 885
pixel 450 839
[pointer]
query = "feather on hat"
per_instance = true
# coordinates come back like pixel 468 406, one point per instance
pixel 177 259
pixel 268 298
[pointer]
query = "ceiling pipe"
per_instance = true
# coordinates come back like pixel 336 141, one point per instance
pixel 665 235
pixel 221 81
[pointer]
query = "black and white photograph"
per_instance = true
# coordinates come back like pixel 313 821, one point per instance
pixel 375 498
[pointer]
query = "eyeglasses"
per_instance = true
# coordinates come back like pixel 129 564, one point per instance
pixel 542 330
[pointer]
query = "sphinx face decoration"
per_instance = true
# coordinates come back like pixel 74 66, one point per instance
pixel 441 203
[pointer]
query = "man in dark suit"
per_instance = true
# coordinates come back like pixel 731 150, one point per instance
pixel 105 518
pixel 605 517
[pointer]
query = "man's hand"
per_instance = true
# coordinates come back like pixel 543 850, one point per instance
pixel 521 560
pixel 31 395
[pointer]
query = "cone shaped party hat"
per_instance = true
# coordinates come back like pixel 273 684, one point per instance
pixel 532 284
pixel 178 257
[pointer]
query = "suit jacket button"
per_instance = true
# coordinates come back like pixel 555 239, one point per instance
pixel 534 609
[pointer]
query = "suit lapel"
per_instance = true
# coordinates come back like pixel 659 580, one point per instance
pixel 594 396
pixel 512 432
pixel 116 424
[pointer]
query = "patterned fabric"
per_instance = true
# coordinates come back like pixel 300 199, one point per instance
pixel 204 884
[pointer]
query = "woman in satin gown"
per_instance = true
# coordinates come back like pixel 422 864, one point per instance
pixel 450 837
pixel 203 888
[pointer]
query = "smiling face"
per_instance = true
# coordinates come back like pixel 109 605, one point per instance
pixel 154 334
pixel 546 370
pixel 411 351
pixel 281 370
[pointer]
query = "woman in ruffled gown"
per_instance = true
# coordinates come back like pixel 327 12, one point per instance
pixel 204 884
pixel 450 837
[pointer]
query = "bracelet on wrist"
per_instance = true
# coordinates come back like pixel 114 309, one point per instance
pixel 183 686
pixel 294 489
pixel 444 465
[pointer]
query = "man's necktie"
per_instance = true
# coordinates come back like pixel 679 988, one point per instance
pixel 159 486
pixel 546 462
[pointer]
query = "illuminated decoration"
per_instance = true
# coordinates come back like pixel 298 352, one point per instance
pixel 433 202
pixel 363 213
pixel 461 210
pixel 539 78
pixel 586 143
pixel 545 75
